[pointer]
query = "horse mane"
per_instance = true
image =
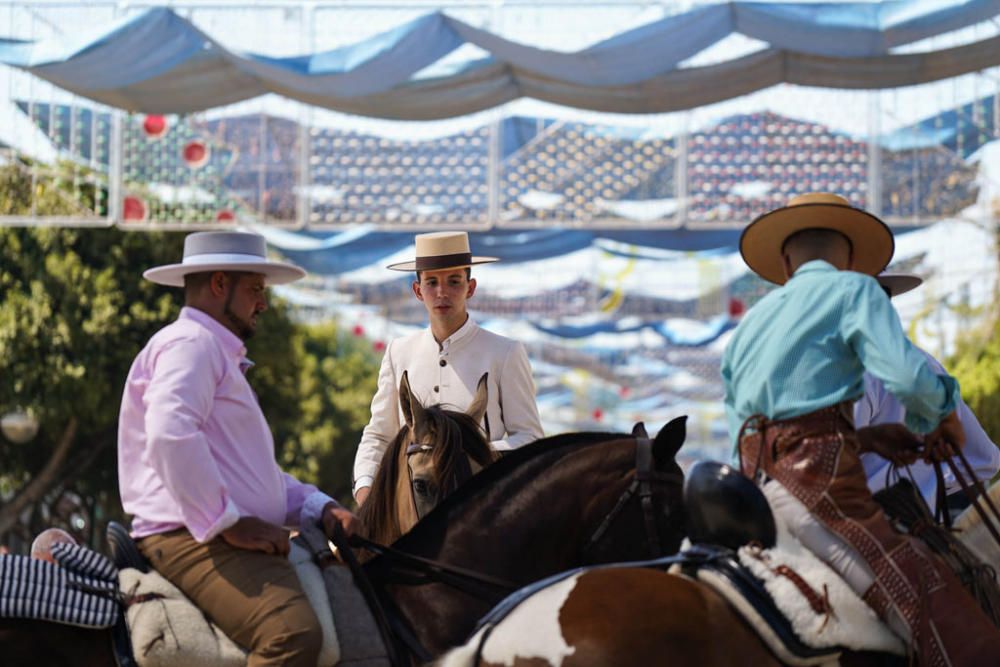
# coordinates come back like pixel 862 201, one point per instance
pixel 456 435
pixel 378 514
pixel 555 446
pixel 462 437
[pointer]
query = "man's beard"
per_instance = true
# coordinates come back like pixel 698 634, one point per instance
pixel 242 328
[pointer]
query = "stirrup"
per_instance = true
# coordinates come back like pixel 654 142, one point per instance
pixel 124 551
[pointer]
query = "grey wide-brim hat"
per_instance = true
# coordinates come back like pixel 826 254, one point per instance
pixel 898 283
pixel 224 251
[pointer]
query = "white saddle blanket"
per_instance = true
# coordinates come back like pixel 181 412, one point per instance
pixel 172 632
pixel 851 624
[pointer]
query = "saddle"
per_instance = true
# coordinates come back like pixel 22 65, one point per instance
pixel 745 556
pixel 167 630
pixel 799 606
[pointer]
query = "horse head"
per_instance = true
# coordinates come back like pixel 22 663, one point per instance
pixel 647 519
pixel 434 452
pixel 561 502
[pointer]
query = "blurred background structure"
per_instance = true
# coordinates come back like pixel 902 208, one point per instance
pixel 608 151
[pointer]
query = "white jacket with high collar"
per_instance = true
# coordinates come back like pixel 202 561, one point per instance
pixel 448 374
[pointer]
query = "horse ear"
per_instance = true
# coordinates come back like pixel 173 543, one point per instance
pixel 479 402
pixel 413 411
pixel 669 440
pixel 639 430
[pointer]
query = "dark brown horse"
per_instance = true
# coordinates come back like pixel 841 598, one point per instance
pixel 558 503
pixel 436 451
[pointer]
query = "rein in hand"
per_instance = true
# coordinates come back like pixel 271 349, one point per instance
pixel 481 586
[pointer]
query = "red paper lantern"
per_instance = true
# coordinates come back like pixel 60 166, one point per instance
pixel 225 215
pixel 378 346
pixel 597 414
pixel 134 209
pixel 358 330
pixel 195 154
pixel 154 126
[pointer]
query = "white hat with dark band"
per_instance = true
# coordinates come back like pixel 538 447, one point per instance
pixel 437 251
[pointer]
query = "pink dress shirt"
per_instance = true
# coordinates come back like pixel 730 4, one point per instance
pixel 194 448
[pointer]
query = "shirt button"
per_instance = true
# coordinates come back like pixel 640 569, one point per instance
pixel 436 388
pixel 443 362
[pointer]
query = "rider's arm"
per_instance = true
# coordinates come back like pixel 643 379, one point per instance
pixel 982 453
pixel 871 327
pixel 304 502
pixel 382 428
pixel 518 409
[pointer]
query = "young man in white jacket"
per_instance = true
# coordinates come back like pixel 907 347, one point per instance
pixel 445 361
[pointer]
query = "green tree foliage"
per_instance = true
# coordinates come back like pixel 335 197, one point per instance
pixel 977 367
pixel 976 363
pixel 337 375
pixel 75 311
pixel 315 384
pixel 29 188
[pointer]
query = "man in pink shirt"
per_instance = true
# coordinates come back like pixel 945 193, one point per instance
pixel 196 463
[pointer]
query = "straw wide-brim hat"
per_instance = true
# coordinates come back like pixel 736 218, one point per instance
pixel 899 283
pixel 224 251
pixel 763 239
pixel 437 251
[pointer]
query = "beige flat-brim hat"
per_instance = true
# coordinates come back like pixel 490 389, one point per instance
pixel 899 283
pixel 224 251
pixel 762 240
pixel 437 251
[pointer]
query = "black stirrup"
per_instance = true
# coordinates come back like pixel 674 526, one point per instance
pixel 124 552
pixel 723 507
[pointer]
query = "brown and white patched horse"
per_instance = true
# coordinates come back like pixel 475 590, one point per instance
pixel 558 503
pixel 627 616
pixel 436 451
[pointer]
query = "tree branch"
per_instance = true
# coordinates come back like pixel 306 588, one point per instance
pixel 34 490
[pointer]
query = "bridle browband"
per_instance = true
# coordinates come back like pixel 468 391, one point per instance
pixel 463 471
pixel 645 476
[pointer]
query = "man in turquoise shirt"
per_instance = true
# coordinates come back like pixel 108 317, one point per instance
pixel 791 371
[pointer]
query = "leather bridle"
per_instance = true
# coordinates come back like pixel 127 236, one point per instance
pixel 646 476
pixel 395 632
pixel 464 471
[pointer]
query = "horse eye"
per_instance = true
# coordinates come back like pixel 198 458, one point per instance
pixel 420 486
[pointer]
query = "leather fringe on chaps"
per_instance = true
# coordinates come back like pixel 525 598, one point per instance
pixel 815 457
pixel 903 504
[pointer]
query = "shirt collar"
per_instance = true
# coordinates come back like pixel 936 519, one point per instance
pixel 463 333
pixel 815 266
pixel 231 343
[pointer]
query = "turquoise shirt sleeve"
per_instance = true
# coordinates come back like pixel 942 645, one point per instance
pixel 732 418
pixel 872 328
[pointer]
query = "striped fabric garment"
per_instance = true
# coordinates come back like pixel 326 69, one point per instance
pixel 82 590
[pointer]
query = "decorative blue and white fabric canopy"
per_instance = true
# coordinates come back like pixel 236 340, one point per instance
pixel 394 74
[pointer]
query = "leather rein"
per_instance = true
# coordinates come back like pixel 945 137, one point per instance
pixel 397 635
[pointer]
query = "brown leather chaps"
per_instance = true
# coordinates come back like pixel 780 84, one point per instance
pixel 815 457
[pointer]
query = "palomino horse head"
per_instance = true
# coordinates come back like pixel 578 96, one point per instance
pixel 435 451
